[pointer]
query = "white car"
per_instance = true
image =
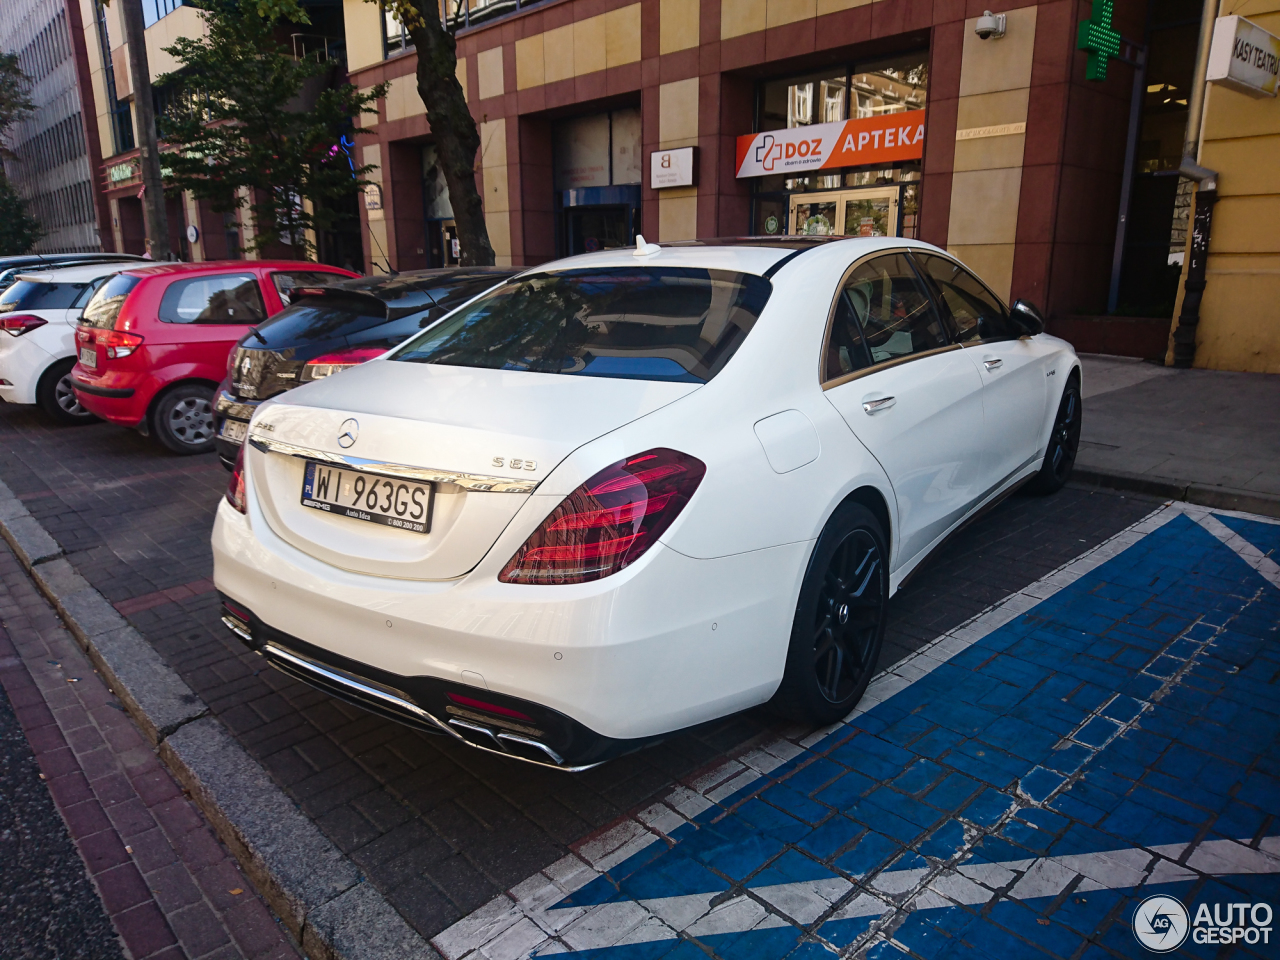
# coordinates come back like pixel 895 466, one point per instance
pixel 632 491
pixel 38 312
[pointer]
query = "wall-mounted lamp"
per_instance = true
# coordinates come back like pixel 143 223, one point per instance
pixel 990 26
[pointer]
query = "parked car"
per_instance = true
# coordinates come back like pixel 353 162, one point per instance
pixel 153 341
pixel 39 313
pixel 10 267
pixel 634 491
pixel 328 329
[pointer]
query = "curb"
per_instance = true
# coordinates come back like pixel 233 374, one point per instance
pixel 318 892
pixel 1201 494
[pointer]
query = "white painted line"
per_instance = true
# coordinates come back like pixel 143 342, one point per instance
pixel 1245 550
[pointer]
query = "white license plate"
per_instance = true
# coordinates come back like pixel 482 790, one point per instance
pixel 402 504
pixel 233 430
pixel 89 356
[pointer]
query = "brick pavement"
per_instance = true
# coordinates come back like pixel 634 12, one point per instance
pixel 169 887
pixel 439 829
pixel 1020 788
pixel 48 904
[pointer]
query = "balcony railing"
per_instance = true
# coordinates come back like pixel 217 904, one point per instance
pixel 317 47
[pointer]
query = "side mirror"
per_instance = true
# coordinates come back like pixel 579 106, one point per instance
pixel 1026 316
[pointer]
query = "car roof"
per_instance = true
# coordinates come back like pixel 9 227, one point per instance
pixel 77 274
pixel 171 267
pixel 396 285
pixel 36 259
pixel 763 256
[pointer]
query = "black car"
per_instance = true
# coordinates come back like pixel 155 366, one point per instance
pixel 327 329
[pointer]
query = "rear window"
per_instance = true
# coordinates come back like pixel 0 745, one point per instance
pixel 288 281
pixel 323 317
pixel 104 307
pixel 636 323
pixel 223 298
pixel 30 295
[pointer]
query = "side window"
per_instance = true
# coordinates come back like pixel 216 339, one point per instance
pixel 846 351
pixel 287 282
pixel 89 291
pixel 892 309
pixel 976 312
pixel 227 298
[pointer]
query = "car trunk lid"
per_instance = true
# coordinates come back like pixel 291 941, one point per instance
pixel 491 430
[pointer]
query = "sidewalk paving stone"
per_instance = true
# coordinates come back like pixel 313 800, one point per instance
pixel 168 887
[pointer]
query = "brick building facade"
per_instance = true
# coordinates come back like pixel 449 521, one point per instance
pixel 1021 163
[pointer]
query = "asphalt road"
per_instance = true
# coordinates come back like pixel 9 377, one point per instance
pixel 48 906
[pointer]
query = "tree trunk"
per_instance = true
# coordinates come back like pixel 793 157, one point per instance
pixel 157 218
pixel 456 136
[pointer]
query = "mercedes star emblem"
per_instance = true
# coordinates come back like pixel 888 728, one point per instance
pixel 348 432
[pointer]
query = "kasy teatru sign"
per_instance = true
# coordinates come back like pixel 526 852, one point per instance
pixel 887 138
pixel 1244 57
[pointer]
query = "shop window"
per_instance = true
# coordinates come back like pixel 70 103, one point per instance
pixel 597 171
pixel 855 91
pixel 1160 201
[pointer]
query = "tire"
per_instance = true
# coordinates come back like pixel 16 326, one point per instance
pixel 183 419
pixel 840 618
pixel 56 398
pixel 1064 442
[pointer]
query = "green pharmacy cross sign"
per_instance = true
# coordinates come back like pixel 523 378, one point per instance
pixel 1099 38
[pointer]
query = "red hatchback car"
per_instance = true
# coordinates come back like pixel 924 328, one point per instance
pixel 153 342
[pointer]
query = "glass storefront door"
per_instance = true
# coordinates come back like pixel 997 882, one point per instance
pixel 850 213
pixel 588 229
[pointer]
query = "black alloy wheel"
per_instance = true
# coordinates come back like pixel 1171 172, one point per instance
pixel 840 620
pixel 56 398
pixel 1064 442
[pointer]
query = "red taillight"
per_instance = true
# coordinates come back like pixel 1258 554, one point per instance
pixel 609 521
pixel 235 486
pixel 115 343
pixel 489 707
pixel 339 360
pixel 16 324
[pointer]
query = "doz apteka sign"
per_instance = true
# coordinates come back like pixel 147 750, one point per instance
pixel 887 138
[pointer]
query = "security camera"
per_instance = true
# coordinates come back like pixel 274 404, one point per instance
pixel 990 25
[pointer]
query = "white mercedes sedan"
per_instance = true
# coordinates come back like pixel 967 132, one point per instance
pixel 632 491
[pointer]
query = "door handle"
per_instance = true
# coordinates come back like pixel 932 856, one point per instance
pixel 875 406
pixel 995 364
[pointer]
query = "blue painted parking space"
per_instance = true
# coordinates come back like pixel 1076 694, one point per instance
pixel 1109 738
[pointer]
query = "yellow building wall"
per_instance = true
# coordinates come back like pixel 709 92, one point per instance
pixel 995 84
pixel 364 33
pixel 1240 312
pixel 678 127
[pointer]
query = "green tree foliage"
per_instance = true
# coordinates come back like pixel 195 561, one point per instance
pixel 252 126
pixel 18 229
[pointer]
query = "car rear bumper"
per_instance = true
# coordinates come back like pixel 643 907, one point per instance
pixel 229 407
pixel 116 397
pixel 120 393
pixel 22 361
pixel 666 644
